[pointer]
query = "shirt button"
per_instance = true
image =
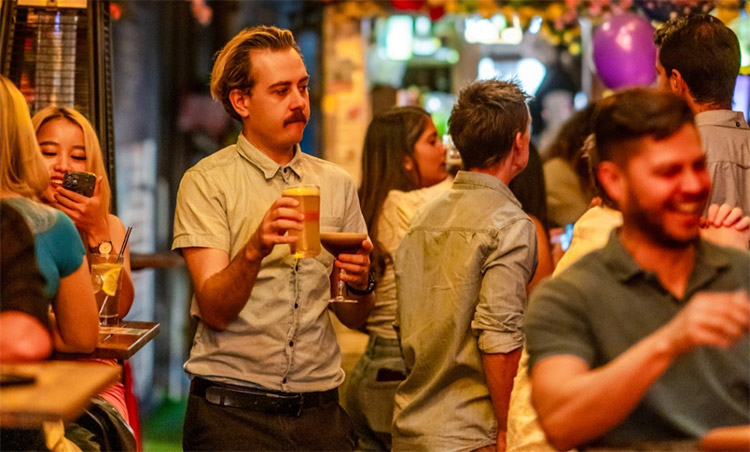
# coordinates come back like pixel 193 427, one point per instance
pixel 296 305
pixel 291 343
pixel 737 123
pixel 284 380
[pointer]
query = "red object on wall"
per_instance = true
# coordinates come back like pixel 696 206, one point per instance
pixel 408 5
pixel 436 12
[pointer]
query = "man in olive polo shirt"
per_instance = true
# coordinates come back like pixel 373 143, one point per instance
pixel 645 340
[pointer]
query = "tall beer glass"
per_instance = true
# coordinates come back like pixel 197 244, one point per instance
pixel 308 243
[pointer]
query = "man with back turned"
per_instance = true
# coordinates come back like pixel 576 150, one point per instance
pixel 699 59
pixel 265 364
pixel 461 275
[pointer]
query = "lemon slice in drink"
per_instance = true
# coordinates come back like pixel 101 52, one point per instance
pixel 96 282
pixel 110 278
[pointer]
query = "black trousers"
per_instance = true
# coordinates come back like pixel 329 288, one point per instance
pixel 210 427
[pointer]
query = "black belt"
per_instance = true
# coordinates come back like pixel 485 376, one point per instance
pixel 272 402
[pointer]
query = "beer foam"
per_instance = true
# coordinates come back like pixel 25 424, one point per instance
pixel 303 190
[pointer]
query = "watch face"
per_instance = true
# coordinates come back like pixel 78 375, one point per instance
pixel 105 247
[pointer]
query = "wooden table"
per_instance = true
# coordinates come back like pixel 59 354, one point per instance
pixel 119 342
pixel 61 391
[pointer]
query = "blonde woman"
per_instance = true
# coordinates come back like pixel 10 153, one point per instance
pixel 69 143
pixel 60 254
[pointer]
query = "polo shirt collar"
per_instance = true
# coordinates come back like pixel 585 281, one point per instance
pixel 266 164
pixel 709 261
pixel 485 181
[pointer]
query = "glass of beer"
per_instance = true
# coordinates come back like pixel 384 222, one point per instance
pixel 308 239
pixel 106 278
pixel 342 243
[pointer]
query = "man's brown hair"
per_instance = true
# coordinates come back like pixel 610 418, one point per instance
pixel 233 67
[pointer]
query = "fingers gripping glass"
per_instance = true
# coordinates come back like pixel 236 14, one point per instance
pixel 341 243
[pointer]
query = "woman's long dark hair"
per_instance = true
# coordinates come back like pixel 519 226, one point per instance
pixel 391 137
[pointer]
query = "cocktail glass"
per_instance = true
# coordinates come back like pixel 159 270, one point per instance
pixel 106 278
pixel 341 243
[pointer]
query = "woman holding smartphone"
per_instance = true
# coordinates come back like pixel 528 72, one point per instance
pixel 69 144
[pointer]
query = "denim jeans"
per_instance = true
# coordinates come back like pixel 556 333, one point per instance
pixel 368 391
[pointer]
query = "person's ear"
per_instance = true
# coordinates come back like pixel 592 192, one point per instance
pixel 612 180
pixel 239 99
pixel 677 83
pixel 408 163
pixel 520 149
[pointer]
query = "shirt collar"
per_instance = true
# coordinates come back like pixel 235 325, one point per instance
pixel 264 163
pixel 485 181
pixel 726 118
pixel 709 261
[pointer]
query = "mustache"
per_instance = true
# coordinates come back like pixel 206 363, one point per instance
pixel 297 116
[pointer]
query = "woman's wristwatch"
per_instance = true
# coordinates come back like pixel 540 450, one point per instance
pixel 104 247
pixel 371 284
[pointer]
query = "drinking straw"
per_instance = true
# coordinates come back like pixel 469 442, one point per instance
pixel 124 243
pixel 120 256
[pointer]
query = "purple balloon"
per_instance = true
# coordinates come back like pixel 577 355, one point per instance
pixel 624 51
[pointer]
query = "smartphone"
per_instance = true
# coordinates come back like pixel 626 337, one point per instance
pixel 80 182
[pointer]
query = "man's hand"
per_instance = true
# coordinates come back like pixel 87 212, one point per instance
pixel 726 226
pixel 356 273
pixel 356 266
pixel 710 318
pixel 280 217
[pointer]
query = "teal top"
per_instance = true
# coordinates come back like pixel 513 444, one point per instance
pixel 605 303
pixel 59 250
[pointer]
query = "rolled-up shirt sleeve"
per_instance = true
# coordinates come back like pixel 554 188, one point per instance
pixel 200 214
pixel 499 315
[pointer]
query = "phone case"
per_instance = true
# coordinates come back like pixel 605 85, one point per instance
pixel 80 182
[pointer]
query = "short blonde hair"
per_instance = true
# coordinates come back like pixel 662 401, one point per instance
pixel 22 168
pixel 233 68
pixel 94 157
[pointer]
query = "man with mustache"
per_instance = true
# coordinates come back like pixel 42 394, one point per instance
pixel 265 364
pixel 645 340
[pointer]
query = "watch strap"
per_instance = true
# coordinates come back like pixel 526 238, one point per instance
pixel 371 285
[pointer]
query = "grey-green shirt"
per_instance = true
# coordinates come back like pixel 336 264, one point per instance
pixel 461 274
pixel 283 338
pixel 605 303
pixel 725 137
